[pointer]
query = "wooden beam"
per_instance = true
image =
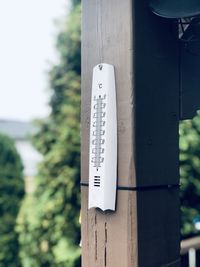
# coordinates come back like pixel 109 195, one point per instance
pixel 108 238
pixel 107 37
pixel 144 230
pixel 156 72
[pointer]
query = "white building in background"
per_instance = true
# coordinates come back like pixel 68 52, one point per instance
pixel 30 157
pixel 20 131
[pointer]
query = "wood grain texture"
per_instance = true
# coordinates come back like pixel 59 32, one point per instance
pixel 107 37
pixel 109 239
pixel 144 230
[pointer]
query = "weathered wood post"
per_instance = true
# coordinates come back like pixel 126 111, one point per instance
pixel 144 229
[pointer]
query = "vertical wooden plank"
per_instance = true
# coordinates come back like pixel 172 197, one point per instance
pixel 156 62
pixel 107 37
pixel 157 97
pixel 144 230
pixel 108 239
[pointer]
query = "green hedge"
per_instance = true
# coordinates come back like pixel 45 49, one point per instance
pixel 11 194
pixel 48 223
pixel 190 176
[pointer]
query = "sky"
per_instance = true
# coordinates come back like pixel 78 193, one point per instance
pixel 27 48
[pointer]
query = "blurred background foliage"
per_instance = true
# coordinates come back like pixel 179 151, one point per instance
pixel 48 223
pixel 190 176
pixel 11 194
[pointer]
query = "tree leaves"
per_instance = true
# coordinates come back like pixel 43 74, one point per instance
pixel 190 175
pixel 11 194
pixel 49 219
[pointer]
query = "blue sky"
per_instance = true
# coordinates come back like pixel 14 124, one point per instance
pixel 27 38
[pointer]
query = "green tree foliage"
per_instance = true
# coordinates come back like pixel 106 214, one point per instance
pixel 49 219
pixel 190 176
pixel 11 194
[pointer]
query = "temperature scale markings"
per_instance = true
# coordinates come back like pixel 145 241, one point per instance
pixel 98 132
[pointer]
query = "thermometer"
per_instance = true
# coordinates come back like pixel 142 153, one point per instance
pixel 103 139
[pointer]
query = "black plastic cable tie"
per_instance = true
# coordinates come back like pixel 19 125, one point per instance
pixel 141 188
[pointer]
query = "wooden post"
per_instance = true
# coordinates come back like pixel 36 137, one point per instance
pixel 144 230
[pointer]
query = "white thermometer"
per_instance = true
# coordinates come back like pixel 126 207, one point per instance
pixel 103 139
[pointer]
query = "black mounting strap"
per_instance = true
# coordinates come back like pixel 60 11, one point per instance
pixel 141 188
